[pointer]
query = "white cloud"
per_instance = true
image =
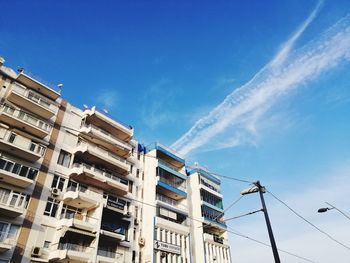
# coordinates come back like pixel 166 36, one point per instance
pixel 245 106
pixel 107 99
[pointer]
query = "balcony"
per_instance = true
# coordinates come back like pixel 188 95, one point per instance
pixel 105 139
pixel 162 199
pixel 21 147
pixel 36 85
pixel 95 154
pixel 171 188
pixel 12 204
pixel 211 238
pixel 24 121
pixel 216 207
pixel 16 174
pixel 210 187
pixel 168 155
pixel 115 128
pixel 77 221
pixel 32 101
pixel 105 256
pixel 113 230
pixel 7 241
pixel 73 252
pixel 81 198
pixel 105 180
pixel 171 169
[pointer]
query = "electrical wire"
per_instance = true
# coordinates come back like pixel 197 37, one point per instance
pixel 267 245
pixel 307 221
pixel 231 178
pixel 247 214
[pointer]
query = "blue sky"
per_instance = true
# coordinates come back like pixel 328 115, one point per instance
pixel 264 85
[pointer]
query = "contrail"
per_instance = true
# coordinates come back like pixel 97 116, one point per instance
pixel 286 71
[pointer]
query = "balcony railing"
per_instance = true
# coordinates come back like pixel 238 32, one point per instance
pixel 7 236
pixel 168 165
pixel 103 151
pixel 126 145
pixel 18 169
pixel 106 174
pixel 170 201
pixel 25 117
pixel 74 247
pixel 172 183
pixel 33 96
pixel 108 254
pixel 115 228
pixel 13 199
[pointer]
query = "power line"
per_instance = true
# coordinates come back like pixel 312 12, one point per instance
pixel 247 214
pixel 307 221
pixel 231 178
pixel 267 245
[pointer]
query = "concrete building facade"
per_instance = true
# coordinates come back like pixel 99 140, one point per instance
pixel 76 186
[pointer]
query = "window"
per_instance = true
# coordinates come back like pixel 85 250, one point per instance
pixel 137 173
pixel 51 207
pixel 130 187
pixel 47 244
pixel 58 182
pixel 12 137
pixel 64 158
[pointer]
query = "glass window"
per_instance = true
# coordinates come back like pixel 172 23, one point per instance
pixel 12 137
pixel 51 207
pixel 64 158
pixel 58 182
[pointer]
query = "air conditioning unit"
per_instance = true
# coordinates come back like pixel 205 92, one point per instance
pixel 37 252
pixel 55 191
pixel 136 222
pixel 142 241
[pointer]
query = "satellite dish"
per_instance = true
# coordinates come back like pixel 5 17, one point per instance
pixel 106 111
pixel 60 85
pixel 85 106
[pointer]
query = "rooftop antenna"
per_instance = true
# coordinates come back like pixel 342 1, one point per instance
pixel 105 111
pixel 59 86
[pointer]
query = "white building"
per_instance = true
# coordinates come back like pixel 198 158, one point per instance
pixel 209 236
pixel 165 225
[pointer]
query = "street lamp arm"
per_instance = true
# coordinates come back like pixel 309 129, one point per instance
pixel 333 207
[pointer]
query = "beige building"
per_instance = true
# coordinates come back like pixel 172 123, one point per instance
pixel 68 178
pixel 75 186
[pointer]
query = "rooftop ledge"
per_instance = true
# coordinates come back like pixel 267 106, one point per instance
pixel 38 86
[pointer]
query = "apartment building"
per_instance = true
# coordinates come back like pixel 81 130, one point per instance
pixel 209 236
pixel 68 178
pixel 76 186
pixel 165 234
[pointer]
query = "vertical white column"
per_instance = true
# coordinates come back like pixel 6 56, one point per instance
pixel 207 253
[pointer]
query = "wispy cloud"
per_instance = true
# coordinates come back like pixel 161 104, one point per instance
pixel 245 106
pixel 107 99
pixel 158 97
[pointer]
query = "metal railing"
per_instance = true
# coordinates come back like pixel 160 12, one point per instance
pixel 70 246
pixel 28 118
pixel 107 174
pixel 172 183
pixel 170 201
pixel 13 199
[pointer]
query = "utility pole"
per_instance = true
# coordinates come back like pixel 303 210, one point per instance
pixel 261 190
